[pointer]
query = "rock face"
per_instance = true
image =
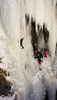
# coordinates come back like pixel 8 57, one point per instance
pixel 5 85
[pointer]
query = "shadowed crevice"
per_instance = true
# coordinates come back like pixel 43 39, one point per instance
pixel 46 96
pixel 34 36
pixel 46 33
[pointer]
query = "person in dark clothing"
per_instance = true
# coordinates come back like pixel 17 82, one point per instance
pixel 39 58
pixel 21 42
pixel 38 55
pixel 42 52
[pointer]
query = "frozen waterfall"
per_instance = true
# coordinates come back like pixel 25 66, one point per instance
pixel 16 16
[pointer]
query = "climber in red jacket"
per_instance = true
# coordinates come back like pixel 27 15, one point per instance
pixel 21 42
pixel 45 52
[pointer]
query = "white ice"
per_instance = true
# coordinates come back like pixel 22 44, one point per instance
pixel 28 80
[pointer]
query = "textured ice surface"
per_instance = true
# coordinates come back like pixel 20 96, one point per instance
pixel 29 79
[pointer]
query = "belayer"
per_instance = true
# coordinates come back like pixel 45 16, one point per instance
pixel 45 52
pixel 21 42
pixel 39 58
pixel 38 55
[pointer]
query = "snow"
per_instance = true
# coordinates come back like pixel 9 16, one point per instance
pixel 30 80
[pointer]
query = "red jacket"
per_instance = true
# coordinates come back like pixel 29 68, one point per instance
pixel 46 53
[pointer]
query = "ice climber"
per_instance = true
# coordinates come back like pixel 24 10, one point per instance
pixel 39 58
pixel 38 55
pixel 21 42
pixel 45 52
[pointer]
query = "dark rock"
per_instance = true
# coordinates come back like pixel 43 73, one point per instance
pixel 3 72
pixel 5 85
pixel 1 59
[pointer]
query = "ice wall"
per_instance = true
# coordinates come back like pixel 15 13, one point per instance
pixel 12 18
pixel 44 12
pixel 12 14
